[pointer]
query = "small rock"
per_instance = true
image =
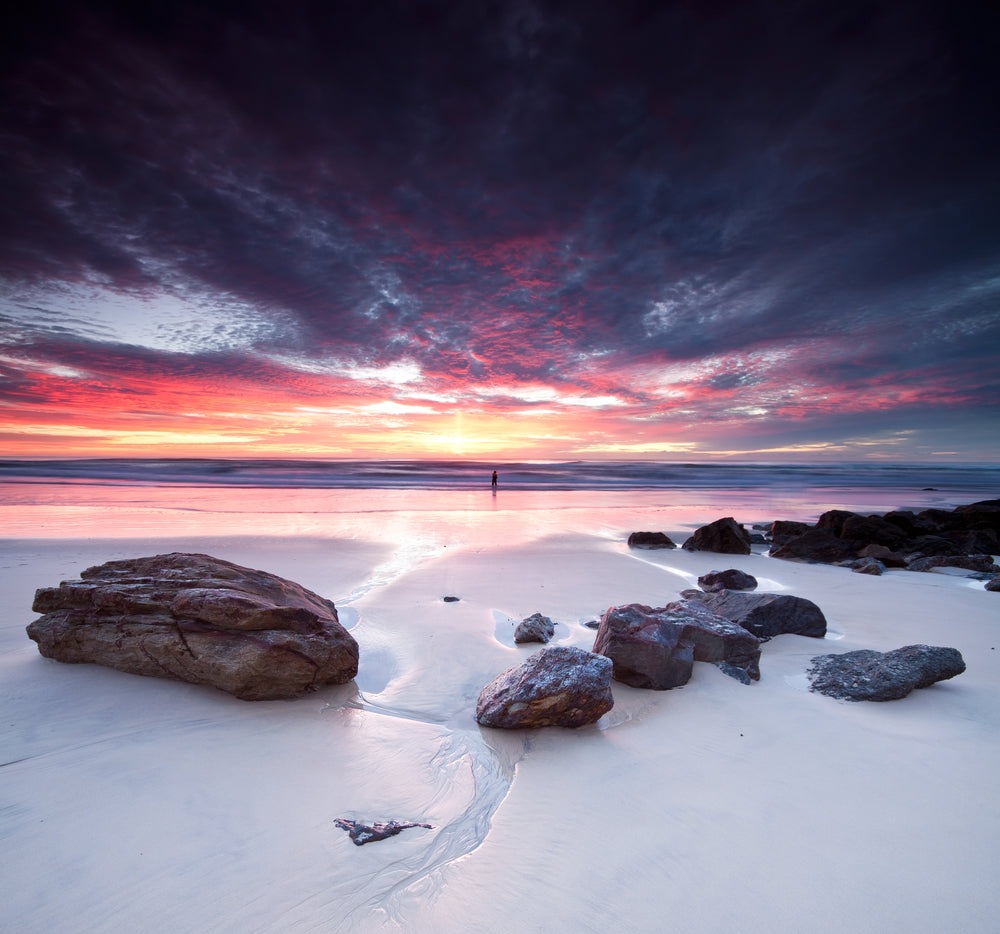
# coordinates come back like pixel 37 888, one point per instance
pixel 368 833
pixel 877 676
pixel 731 579
pixel 869 566
pixel 994 585
pixel 561 686
pixel 536 628
pixel 650 540
pixel 451 599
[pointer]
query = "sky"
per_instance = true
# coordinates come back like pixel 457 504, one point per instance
pixel 698 231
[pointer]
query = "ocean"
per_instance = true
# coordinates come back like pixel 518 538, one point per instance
pixel 117 497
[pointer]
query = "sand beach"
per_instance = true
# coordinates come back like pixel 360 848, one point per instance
pixel 133 803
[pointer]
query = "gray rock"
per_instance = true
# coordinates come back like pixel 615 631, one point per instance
pixel 535 628
pixel 994 585
pixel 657 648
pixel 878 676
pixel 650 540
pixel 731 579
pixel 724 536
pixel 561 686
pixel 769 614
pixel 868 566
pixel 195 618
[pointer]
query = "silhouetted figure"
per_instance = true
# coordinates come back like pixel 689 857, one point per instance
pixel 493 482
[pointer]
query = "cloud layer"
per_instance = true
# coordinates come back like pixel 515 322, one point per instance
pixel 524 229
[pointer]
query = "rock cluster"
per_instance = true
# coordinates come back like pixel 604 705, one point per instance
pixel 965 537
pixel 195 618
pixel 657 648
pixel 881 676
pixel 561 686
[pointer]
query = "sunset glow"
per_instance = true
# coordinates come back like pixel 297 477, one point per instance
pixel 571 237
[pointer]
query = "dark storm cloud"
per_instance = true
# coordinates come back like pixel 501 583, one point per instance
pixel 494 189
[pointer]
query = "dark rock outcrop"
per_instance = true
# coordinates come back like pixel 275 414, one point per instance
pixel 872 530
pixel 819 545
pixel 657 648
pixel 834 519
pixel 768 614
pixel 784 531
pixel 993 585
pixel 196 618
pixel 650 540
pixel 561 686
pixel 964 562
pixel 882 676
pixel 362 833
pixel 730 579
pixel 535 628
pixel 724 536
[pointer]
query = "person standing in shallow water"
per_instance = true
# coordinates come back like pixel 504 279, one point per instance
pixel 493 481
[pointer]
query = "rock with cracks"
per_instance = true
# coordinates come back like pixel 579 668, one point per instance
pixel 535 628
pixel 867 675
pixel 195 618
pixel 562 686
pixel 768 614
pixel 361 833
pixel 657 648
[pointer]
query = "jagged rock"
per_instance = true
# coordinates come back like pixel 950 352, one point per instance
pixel 974 541
pixel 784 531
pixel 878 676
pixel 362 833
pixel 731 579
pixel 561 686
pixel 650 540
pixel 872 530
pixel 820 545
pixel 535 628
pixel 890 559
pixel 195 618
pixel 657 648
pixel 768 614
pixel 725 536
pixel 966 562
pixel 834 519
pixel 911 524
pixel 868 566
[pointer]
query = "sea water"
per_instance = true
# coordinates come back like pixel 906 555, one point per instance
pixel 391 499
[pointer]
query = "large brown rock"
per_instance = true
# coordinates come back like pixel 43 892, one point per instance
pixel 657 648
pixel 725 536
pixel 561 686
pixel 196 618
